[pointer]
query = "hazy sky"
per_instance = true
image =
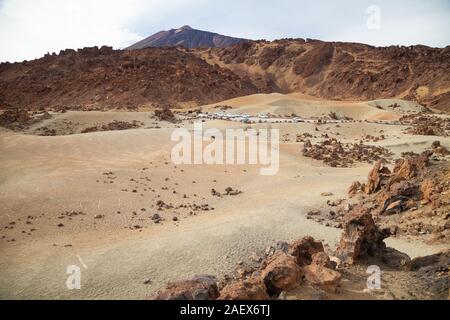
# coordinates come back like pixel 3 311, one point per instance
pixel 31 28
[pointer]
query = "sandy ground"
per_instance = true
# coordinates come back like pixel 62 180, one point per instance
pixel 113 180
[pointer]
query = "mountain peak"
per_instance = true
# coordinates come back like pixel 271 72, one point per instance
pixel 186 27
pixel 187 37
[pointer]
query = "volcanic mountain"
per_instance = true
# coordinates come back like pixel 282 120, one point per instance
pixel 103 78
pixel 187 37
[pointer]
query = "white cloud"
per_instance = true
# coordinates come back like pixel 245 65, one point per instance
pixel 30 28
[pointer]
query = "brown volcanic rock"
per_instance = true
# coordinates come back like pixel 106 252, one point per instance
pixel 361 237
pixel 186 37
pixel 407 169
pixel 434 270
pixel 203 287
pixel 428 125
pixel 15 118
pixel 165 114
pixel 337 154
pixel 303 249
pixel 428 188
pixel 93 78
pixel 113 126
pixel 321 272
pixel 252 288
pixel 374 179
pixel 281 273
pixel 18 119
pixel 354 188
pixel 340 70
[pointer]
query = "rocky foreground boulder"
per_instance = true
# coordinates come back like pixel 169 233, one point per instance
pixel 252 288
pixel 281 271
pixel 303 249
pixel 303 263
pixel 361 237
pixel 321 272
pixel 203 287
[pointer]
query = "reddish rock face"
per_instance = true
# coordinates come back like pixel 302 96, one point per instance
pixel 252 288
pixel 346 70
pixel 320 273
pixel 303 250
pixel 360 238
pixel 132 78
pixel 407 169
pixel 202 287
pixel 92 78
pixel 374 179
pixel 428 188
pixel 281 273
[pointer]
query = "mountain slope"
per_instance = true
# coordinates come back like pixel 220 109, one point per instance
pixel 344 71
pixel 179 77
pixel 188 38
pixel 93 78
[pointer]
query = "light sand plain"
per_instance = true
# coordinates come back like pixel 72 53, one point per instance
pixel 42 177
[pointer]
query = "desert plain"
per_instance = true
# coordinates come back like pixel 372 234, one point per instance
pixel 113 203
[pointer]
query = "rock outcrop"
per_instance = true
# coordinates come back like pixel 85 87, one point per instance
pixel 303 249
pixel 321 272
pixel 337 154
pixel 281 273
pixel 96 78
pixel 203 287
pixel 252 288
pixel 361 237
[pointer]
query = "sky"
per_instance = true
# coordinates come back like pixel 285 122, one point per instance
pixel 31 28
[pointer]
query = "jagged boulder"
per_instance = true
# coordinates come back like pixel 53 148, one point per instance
pixel 202 287
pixel 396 259
pixel 398 198
pixel 427 189
pixel 281 273
pixel 407 169
pixel 376 178
pixel 361 237
pixel 321 272
pixel 303 249
pixel 252 288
